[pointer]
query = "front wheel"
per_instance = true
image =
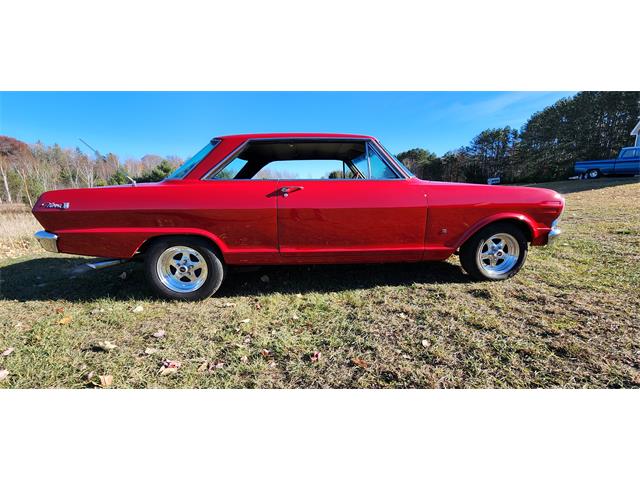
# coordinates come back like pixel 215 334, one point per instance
pixel 496 252
pixel 183 268
pixel 593 174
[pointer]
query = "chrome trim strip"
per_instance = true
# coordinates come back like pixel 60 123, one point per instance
pixel 47 240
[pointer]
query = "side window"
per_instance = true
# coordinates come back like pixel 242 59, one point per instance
pixel 303 170
pixel 304 159
pixel 231 170
pixel 379 168
pixel 631 153
pixel 361 165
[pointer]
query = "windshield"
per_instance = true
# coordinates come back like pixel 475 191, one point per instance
pixel 400 164
pixel 190 164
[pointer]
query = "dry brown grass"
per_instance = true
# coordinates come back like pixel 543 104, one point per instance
pixel 570 318
pixel 17 226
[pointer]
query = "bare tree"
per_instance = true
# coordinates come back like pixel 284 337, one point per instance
pixel 4 171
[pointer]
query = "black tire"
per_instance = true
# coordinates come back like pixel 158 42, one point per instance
pixel 593 174
pixel 215 271
pixel 470 250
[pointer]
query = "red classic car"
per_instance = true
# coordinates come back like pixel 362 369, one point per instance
pixel 290 199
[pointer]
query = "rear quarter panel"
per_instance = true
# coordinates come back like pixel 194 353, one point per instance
pixel 115 221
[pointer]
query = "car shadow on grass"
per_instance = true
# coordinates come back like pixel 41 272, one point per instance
pixel 69 279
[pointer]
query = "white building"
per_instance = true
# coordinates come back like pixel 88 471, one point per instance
pixel 636 132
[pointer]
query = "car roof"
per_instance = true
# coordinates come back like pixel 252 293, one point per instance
pixel 275 136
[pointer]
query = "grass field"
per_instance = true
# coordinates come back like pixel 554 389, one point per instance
pixel 571 318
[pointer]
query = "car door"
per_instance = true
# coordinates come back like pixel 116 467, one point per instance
pixel 242 215
pixel 379 218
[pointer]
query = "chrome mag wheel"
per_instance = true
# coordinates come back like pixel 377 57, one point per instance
pixel 182 269
pixel 498 254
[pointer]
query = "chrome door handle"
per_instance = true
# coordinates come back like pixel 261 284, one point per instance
pixel 286 190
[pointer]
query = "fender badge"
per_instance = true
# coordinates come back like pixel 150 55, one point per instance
pixel 61 206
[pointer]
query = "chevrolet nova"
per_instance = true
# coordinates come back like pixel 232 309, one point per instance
pixel 295 199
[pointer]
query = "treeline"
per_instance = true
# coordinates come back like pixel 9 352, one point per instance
pixel 589 125
pixel 28 170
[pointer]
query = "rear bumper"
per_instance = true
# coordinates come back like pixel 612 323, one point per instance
pixel 48 240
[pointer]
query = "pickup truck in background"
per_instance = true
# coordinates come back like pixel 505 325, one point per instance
pixel 627 163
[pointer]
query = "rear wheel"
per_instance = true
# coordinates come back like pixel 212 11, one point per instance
pixel 593 173
pixel 496 252
pixel 183 268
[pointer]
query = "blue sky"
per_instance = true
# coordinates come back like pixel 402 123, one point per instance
pixel 132 124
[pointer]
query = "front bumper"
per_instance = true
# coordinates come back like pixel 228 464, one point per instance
pixel 554 233
pixel 48 240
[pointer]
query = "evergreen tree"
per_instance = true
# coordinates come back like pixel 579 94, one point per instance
pixel 159 173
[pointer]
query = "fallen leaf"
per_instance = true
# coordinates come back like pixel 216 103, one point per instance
pixel 106 380
pixel 123 276
pixel 96 311
pixel 403 316
pixel 425 343
pixel 295 316
pixel 219 365
pixel 244 359
pixel 65 321
pixel 169 367
pixel 159 334
pixel 150 351
pixel 228 304
pixel 359 362
pixel 265 353
pixel 203 367
pixel 171 364
pixel 298 295
pixel 59 309
pixel 138 308
pixel 8 352
pixel 272 364
pixel 3 374
pixel 90 375
pixel 315 357
pixel 246 320
pixel 258 306
pixel 106 346
pixel 264 278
